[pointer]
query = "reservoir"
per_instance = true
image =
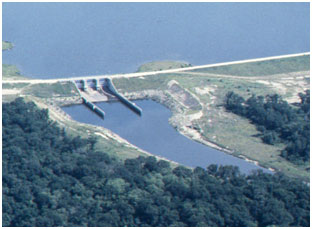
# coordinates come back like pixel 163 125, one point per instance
pixel 59 40
pixel 153 133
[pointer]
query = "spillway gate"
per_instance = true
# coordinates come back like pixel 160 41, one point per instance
pixel 104 86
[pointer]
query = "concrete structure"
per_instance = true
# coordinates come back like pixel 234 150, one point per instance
pixel 97 85
pixel 122 99
pixel 103 86
pixel 83 84
pixel 93 107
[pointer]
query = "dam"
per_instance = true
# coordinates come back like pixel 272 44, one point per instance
pixel 111 88
pixel 93 107
pixel 100 90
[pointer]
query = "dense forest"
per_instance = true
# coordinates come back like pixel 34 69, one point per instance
pixel 277 121
pixel 51 179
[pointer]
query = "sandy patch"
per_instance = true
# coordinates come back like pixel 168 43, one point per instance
pixel 293 99
pixel 203 91
pixel 254 162
pixel 94 96
pixel 263 82
pixel 171 83
pixel 195 116
pixel 279 87
pixel 248 160
pixel 10 91
pixel 102 135
pixel 193 134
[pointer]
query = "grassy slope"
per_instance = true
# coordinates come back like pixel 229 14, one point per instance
pixel 270 67
pixel 6 45
pixel 224 128
pixel 162 65
pixel 51 90
pixel 10 71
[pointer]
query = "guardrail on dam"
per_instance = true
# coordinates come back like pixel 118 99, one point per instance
pixel 125 101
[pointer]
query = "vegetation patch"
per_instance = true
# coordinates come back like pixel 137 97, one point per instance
pixel 262 68
pixel 138 84
pixel 162 65
pixel 14 85
pixel 44 90
pixel 51 179
pixel 10 72
pixel 278 121
pixel 6 45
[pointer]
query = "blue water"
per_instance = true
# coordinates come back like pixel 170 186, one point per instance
pixel 153 133
pixel 72 39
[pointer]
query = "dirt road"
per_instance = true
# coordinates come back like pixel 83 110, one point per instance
pixel 140 74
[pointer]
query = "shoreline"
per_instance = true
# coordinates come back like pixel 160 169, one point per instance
pixel 60 117
pixel 181 126
pixel 182 129
pixel 140 74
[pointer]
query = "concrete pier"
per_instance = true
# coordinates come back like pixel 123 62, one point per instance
pixel 84 85
pixel 94 108
pixel 106 88
pixel 97 85
pixel 125 101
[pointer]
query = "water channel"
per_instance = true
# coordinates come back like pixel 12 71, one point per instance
pixel 153 133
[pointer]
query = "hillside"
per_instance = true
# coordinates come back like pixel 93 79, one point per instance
pixel 51 179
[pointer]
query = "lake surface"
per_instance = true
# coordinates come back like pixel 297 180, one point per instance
pixel 54 40
pixel 153 133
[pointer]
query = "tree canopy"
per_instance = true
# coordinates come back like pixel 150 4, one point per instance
pixel 50 179
pixel 278 121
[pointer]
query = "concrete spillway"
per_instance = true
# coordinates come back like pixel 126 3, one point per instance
pixel 125 101
pixel 82 84
pixel 91 105
pixel 94 108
